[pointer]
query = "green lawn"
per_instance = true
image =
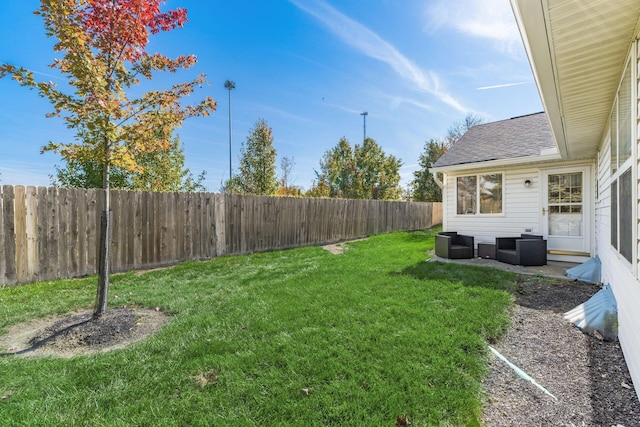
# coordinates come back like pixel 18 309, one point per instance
pixel 373 334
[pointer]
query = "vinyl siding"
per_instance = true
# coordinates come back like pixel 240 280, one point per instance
pixel 521 207
pixel 616 270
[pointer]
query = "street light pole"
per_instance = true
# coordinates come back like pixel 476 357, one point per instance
pixel 229 85
pixel 364 118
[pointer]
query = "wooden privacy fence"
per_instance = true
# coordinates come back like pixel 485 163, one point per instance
pixel 52 233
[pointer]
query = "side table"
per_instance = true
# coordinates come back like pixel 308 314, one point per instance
pixel 487 250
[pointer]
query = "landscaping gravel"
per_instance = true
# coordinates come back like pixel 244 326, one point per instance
pixel 588 376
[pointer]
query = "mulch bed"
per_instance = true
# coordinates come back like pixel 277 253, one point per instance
pixel 77 334
pixel 588 376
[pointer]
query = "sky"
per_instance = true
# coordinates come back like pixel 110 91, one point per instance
pixel 310 68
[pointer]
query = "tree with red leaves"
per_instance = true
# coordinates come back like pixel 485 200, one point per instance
pixel 103 45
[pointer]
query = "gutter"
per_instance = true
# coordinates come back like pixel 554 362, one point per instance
pixel 542 158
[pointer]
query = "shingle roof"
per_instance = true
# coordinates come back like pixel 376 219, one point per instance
pixel 521 136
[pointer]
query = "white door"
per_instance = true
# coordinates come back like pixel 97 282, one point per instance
pixel 566 211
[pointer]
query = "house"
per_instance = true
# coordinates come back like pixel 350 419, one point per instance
pixel 493 186
pixel 572 173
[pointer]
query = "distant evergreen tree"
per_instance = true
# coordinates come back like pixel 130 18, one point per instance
pixel 364 172
pixel 424 187
pixel 258 162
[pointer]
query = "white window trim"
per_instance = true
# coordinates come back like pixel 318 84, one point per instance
pixel 631 59
pixel 478 214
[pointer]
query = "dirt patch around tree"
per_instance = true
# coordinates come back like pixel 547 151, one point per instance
pixel 78 333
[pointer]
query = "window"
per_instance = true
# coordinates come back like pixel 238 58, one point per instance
pixel 626 224
pixel 621 123
pixel 565 204
pixel 467 189
pixel 484 191
pixel 621 180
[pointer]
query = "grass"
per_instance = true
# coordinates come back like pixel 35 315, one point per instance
pixel 372 334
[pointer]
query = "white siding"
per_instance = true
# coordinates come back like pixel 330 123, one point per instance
pixel 521 207
pixel 616 270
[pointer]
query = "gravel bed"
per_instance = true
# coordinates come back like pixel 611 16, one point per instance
pixel 587 375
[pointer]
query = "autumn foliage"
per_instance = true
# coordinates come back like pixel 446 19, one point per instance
pixel 103 45
pixel 123 26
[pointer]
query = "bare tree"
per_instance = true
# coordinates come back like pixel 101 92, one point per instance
pixel 286 167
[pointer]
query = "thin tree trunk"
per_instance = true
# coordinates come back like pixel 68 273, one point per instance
pixel 105 248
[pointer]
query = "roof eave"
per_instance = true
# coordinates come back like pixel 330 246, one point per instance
pixel 498 163
pixel 531 16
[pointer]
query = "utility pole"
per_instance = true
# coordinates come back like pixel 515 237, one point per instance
pixel 364 118
pixel 229 85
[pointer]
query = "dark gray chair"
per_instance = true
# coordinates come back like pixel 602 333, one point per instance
pixel 526 250
pixel 450 244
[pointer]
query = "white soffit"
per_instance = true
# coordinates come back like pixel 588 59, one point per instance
pixel 577 50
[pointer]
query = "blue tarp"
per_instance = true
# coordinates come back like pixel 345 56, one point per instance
pixel 598 313
pixel 588 271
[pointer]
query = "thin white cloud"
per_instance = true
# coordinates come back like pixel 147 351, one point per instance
pixel 488 19
pixel 342 108
pixel 503 85
pixel 24 173
pixel 282 113
pixel 51 76
pixel 370 44
pixel 398 100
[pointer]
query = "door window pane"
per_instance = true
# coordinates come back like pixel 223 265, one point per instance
pixel 565 204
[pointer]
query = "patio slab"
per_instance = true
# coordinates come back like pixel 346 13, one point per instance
pixel 555 269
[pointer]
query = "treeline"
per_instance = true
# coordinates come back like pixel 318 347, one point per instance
pixel 362 171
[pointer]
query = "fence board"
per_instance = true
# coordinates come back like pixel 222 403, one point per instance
pixel 49 233
pixel 20 230
pixel 145 228
pixel 116 243
pixel 3 232
pixel 154 230
pixel 10 240
pixel 132 228
pixel 93 230
pixel 214 224
pixel 66 227
pixel 81 231
pixel 33 260
pixel 75 196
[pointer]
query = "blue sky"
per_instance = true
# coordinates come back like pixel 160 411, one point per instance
pixel 309 68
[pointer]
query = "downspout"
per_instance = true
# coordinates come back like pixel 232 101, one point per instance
pixel 437 180
pixel 440 184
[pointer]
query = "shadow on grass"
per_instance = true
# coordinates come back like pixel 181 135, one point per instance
pixel 531 291
pixel 472 276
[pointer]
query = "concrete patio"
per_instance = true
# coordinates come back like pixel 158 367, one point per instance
pixel 555 269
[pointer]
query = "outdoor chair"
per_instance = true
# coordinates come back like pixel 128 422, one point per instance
pixel 528 249
pixel 453 245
